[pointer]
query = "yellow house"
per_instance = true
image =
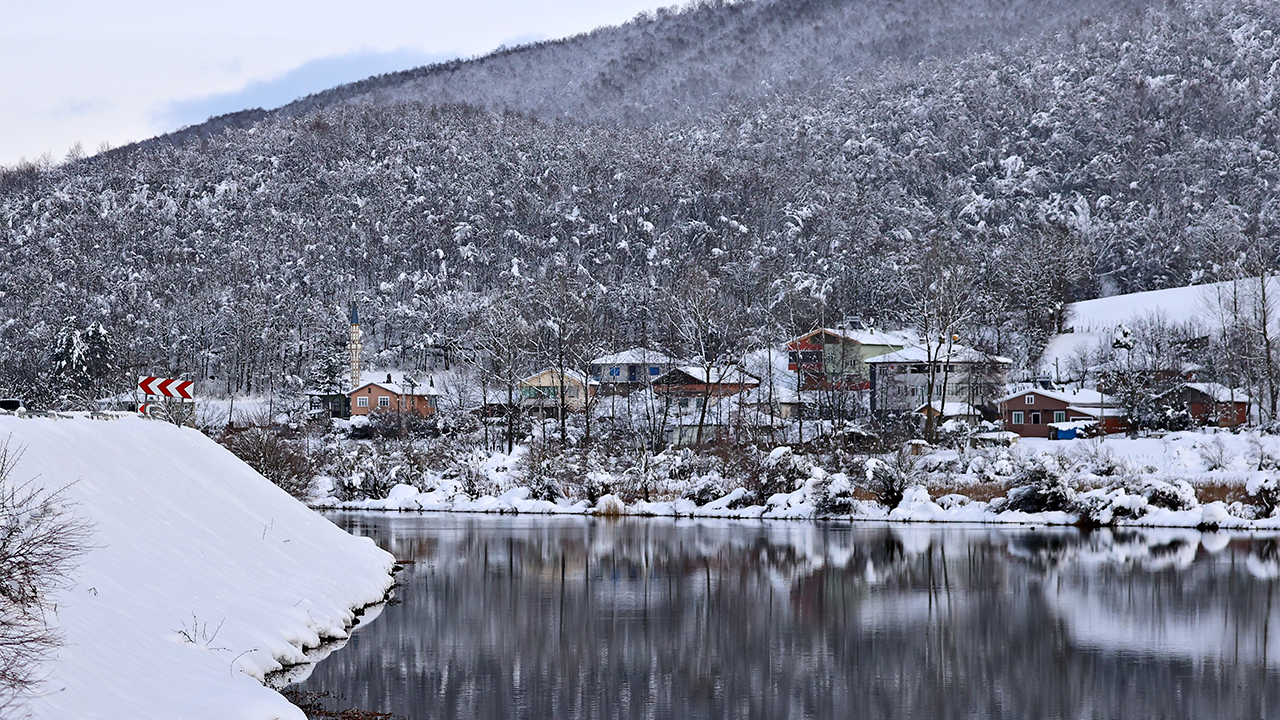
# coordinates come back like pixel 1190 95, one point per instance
pixel 541 392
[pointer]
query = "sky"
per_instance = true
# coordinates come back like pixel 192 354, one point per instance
pixel 118 71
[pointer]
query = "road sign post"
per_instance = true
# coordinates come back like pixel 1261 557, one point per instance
pixel 165 387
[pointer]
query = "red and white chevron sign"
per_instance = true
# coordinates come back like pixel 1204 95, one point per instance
pixel 165 387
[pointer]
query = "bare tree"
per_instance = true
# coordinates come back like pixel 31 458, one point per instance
pixel 711 332
pixel 940 305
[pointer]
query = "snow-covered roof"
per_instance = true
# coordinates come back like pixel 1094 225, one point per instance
pixel 386 379
pixel 1219 392
pixel 730 375
pixel 1073 425
pixel 635 356
pixel 950 409
pixel 956 354
pixel 1097 412
pixel 573 375
pixel 1080 398
pixel 400 389
pixel 865 336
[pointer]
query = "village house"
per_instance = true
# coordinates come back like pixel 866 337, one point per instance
pixel 835 358
pixel 950 410
pixel 1057 414
pixel 690 385
pixel 900 380
pixel 321 403
pixel 540 393
pixel 389 396
pixel 622 372
pixel 1211 403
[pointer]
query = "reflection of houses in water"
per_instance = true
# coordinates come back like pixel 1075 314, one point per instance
pixel 1163 594
pixel 528 616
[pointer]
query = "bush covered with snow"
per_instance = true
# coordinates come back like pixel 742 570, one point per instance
pixel 704 491
pixel 888 477
pixel 1134 499
pixel 1265 492
pixel 1040 485
pixel 833 495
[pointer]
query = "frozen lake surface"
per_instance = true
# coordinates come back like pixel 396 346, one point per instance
pixel 573 617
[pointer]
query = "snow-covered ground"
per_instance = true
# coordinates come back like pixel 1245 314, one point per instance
pixel 1110 475
pixel 202 578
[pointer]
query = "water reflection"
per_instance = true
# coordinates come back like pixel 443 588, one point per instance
pixel 503 617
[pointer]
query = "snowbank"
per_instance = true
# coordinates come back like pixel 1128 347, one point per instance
pixel 1174 465
pixel 203 578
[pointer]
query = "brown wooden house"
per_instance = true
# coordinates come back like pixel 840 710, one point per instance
pixel 689 385
pixel 1034 412
pixel 1211 403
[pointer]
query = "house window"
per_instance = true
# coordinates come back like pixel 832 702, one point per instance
pixel 1059 416
pixel 653 369
pixel 571 391
pixel 362 401
pixel 1035 418
pixel 1017 417
pixel 684 403
pixel 615 371
pixel 1031 399
pixel 384 401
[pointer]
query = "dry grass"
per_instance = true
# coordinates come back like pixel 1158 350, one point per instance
pixel 978 492
pixel 1226 492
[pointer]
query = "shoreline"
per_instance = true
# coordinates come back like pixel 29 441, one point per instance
pixel 913 510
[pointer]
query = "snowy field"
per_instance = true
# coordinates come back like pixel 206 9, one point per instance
pixel 1183 479
pixel 202 577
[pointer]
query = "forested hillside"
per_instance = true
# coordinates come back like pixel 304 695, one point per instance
pixel 681 65
pixel 1136 151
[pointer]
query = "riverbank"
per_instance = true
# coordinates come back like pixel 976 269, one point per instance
pixel 200 577
pixel 1187 479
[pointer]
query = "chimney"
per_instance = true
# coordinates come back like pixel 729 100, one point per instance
pixel 388 378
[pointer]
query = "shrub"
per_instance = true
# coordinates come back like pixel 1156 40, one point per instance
pixel 704 491
pixel 781 471
pixel 40 541
pixel 282 460
pixel 369 471
pixel 1265 491
pixel 887 478
pixel 1097 458
pixel 1040 485
pixel 1215 455
pixel 833 495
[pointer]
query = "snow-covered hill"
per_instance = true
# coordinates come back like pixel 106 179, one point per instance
pixel 203 576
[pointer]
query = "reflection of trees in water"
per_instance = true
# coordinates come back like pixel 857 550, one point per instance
pixel 577 618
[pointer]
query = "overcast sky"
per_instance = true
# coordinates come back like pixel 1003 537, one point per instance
pixel 116 71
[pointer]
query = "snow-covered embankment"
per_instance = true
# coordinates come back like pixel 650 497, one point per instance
pixel 203 576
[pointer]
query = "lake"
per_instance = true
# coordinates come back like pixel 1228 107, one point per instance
pixel 572 617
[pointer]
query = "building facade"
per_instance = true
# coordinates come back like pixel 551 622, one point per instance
pixel 540 393
pixel 634 369
pixel 835 358
pixel 1042 413
pixel 389 396
pixel 900 381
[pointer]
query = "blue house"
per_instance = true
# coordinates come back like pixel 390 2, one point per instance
pixel 622 372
